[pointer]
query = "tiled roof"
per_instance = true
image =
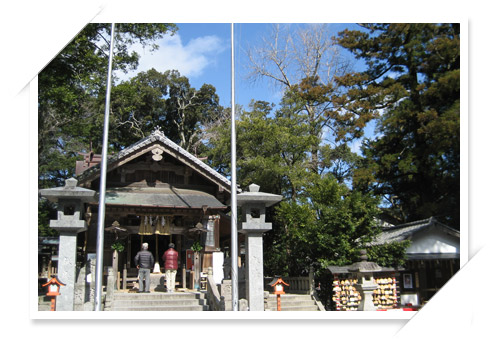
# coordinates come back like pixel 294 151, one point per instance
pixel 158 136
pixel 369 267
pixel 162 197
pixel 405 231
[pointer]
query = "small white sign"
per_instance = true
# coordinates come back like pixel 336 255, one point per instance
pixel 409 299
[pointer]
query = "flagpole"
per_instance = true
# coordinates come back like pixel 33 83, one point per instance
pixel 234 232
pixel 99 264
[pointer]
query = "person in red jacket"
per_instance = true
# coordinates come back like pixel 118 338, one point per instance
pixel 171 258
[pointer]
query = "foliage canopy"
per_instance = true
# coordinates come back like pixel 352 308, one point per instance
pixel 413 79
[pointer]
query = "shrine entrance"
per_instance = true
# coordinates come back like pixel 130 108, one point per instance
pixel 132 234
pixel 133 226
pixel 157 245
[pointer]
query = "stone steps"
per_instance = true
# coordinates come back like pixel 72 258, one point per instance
pixel 292 302
pixel 43 303
pixel 297 309
pixel 161 309
pixel 156 301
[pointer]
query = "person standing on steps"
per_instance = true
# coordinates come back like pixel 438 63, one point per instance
pixel 144 260
pixel 171 258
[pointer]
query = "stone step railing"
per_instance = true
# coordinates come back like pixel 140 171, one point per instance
pixel 215 300
pixel 219 295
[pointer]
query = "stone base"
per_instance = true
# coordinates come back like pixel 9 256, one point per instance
pixel 225 292
pixel 157 282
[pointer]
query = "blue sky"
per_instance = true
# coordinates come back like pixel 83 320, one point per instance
pixel 202 52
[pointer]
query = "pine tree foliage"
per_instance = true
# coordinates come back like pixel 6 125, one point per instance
pixel 412 82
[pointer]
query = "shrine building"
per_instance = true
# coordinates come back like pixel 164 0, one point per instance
pixel 158 193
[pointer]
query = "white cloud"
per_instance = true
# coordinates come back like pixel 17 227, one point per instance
pixel 190 60
pixel 355 146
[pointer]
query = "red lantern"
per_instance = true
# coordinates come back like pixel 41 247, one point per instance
pixel 278 284
pixel 53 290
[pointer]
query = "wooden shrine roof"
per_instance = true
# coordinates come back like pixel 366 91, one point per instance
pixel 157 143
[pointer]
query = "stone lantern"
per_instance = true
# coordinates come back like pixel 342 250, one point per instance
pixel 69 223
pixel 366 283
pixel 253 225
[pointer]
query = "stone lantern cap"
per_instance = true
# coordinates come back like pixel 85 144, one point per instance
pixel 364 266
pixel 361 267
pixel 253 203
pixel 69 192
pixel 254 196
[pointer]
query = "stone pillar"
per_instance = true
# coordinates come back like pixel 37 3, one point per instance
pixel 111 280
pixel 366 284
pixel 254 271
pixel 366 288
pixel 66 270
pixel 253 204
pixel 225 294
pixel 70 199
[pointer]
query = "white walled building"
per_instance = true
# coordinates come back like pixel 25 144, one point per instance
pixel 432 257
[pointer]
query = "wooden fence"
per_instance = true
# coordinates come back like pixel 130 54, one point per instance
pixel 297 285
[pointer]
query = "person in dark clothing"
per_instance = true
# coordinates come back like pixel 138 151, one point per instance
pixel 144 261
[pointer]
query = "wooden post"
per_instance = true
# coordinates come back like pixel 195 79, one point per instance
pixel 311 281
pixel 128 258
pixel 197 269
pixel 184 283
pixel 125 278
pixel 50 267
pixel 115 260
pixel 278 302
pixel 156 247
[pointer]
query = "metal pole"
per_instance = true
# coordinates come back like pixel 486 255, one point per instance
pixel 234 235
pixel 99 264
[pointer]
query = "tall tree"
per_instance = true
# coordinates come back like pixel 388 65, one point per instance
pixel 413 78
pixel 322 220
pixel 304 63
pixel 189 111
pixel 69 87
pixel 271 149
pixel 166 100
pixel 326 226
